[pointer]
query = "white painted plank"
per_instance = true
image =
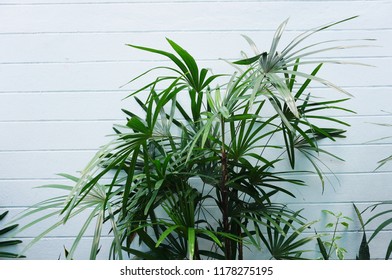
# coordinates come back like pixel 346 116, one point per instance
pixel 63 106
pixel 345 188
pixel 358 159
pixel 68 106
pixel 111 76
pixel 55 135
pixel 80 135
pixel 53 248
pixel 24 2
pixel 70 229
pixel 42 164
pixel 177 16
pixel 341 188
pixel 367 101
pixel 46 164
pixel 25 193
pixel 82 47
pixel 347 159
pixel 314 212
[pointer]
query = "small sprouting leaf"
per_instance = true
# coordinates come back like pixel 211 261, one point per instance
pixel 340 254
pixel 328 212
pixel 329 225
pixel 346 225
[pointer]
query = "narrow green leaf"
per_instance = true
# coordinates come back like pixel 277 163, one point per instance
pixel 322 248
pixel 97 236
pixel 281 114
pixel 307 82
pixel 8 229
pixel 2 216
pixel 292 78
pixel 128 185
pixel 164 234
pixel 247 61
pixel 189 61
pixel 317 79
pixel 9 243
pixel 275 41
pixel 389 251
pixel 151 201
pixel 284 92
pixel 191 242
pixel 212 255
pixel 364 252
pixel 380 227
pixel 297 40
pixel 359 215
pixel 139 254
pixel 251 44
pixel 10 255
pixel 167 54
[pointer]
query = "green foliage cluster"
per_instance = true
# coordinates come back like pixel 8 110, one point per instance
pixel 7 242
pixel 331 243
pixel 197 174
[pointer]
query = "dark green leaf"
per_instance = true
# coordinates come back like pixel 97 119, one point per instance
pixel 389 251
pixel 322 248
pixel 364 252
pixel 247 61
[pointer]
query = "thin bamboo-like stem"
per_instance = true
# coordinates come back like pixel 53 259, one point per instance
pixel 225 193
pixel 333 236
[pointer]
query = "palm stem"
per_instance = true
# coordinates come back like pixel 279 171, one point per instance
pixel 333 237
pixel 225 193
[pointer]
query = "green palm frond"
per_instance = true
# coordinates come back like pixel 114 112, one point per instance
pixel 200 164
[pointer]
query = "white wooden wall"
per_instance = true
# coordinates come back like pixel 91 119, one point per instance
pixel 62 63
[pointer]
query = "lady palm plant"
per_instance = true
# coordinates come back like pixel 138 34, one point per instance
pixel 197 173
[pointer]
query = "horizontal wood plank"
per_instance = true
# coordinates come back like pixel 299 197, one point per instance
pixel 90 47
pixel 112 76
pixel 145 17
